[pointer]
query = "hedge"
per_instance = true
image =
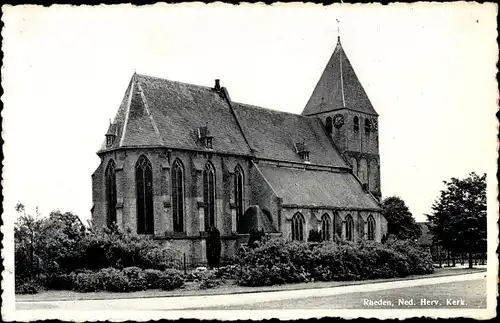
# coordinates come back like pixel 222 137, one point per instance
pixel 277 261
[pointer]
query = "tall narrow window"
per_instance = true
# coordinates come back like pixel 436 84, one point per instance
pixel 298 227
pixel 329 125
pixel 368 125
pixel 325 227
pixel 337 226
pixel 371 228
pixel 110 193
pixel 144 192
pixel 178 196
pixel 349 228
pixel 209 195
pixel 238 195
pixel 356 123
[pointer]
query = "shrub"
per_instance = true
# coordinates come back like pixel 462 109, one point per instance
pixel 171 279
pixel 278 261
pixel 228 272
pixel 271 263
pixel 153 277
pixel 209 279
pixel 136 278
pixel 419 260
pixel 213 247
pixel 60 281
pixel 29 287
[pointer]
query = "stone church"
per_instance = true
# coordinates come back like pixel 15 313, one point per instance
pixel 180 158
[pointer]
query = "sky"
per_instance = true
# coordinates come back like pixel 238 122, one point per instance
pixel 429 71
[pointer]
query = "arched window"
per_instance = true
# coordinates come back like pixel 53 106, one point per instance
pixel 178 196
pixel 110 193
pixel 371 228
pixel 356 124
pixel 144 195
pixel 337 226
pixel 349 228
pixel 368 125
pixel 329 125
pixel 238 194
pixel 298 227
pixel 209 195
pixel 325 227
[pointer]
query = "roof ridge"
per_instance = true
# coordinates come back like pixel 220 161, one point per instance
pixel 127 111
pixel 271 110
pixel 178 82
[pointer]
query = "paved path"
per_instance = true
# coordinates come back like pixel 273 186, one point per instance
pixel 297 298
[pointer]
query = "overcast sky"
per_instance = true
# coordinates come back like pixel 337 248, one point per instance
pixel 429 71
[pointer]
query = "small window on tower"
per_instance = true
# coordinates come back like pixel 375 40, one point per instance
pixel 329 125
pixel 368 125
pixel 356 124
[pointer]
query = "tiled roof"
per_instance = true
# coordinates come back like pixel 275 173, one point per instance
pixel 159 112
pixel 273 135
pixel 168 113
pixel 320 188
pixel 338 88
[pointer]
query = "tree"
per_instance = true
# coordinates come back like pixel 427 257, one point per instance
pixel 458 220
pixel 400 221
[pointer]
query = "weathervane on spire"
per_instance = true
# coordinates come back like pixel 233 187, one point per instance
pixel 338 28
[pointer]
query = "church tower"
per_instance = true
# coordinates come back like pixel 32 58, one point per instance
pixel 340 101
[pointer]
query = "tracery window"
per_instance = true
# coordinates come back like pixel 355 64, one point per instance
pixel 349 228
pixel 325 227
pixel 110 193
pixel 209 195
pixel 238 195
pixel 144 195
pixel 371 228
pixel 298 227
pixel 178 196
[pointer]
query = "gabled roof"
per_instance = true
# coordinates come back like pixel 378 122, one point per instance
pixel 159 112
pixel 318 188
pixel 338 88
pixel 273 135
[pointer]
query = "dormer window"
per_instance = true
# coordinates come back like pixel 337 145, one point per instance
pixel 302 150
pixel 356 124
pixel 110 135
pixel 205 137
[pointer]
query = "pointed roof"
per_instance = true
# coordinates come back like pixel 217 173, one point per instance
pixel 338 88
pixel 157 112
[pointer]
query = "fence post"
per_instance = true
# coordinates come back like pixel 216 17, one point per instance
pixel 184 263
pixel 439 256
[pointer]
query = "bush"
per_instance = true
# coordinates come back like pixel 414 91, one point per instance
pixel 419 260
pixel 210 279
pixel 60 281
pixel 30 287
pixel 153 277
pixel 278 261
pixel 136 278
pixel 171 279
pixel 271 263
pixel 228 272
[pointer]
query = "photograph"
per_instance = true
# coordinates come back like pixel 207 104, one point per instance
pixel 251 161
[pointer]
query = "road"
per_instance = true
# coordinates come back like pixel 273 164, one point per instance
pixel 451 292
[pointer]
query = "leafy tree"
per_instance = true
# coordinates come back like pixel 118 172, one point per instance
pixel 458 220
pixel 400 221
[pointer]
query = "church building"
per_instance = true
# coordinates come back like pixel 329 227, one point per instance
pixel 180 158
